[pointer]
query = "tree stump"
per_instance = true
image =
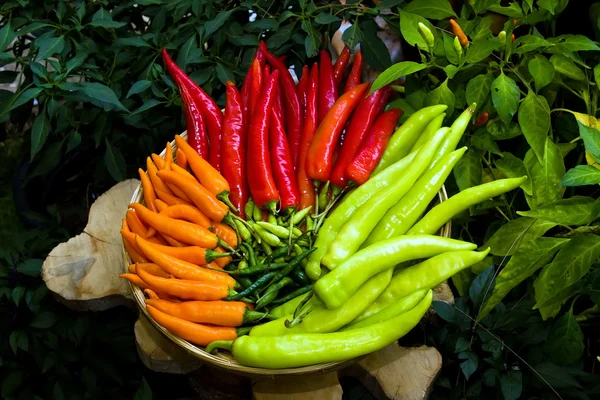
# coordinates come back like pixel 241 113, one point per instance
pixel 83 273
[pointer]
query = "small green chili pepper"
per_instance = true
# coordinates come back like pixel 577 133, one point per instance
pixel 266 247
pixel 243 230
pixel 249 209
pixel 257 214
pixel 307 349
pixel 258 269
pixel 502 36
pixel 294 263
pixel 271 219
pixel 427 35
pixel 310 224
pixel 299 216
pixel 277 253
pixel 279 231
pixel 242 265
pixel 457 46
pixel 341 283
pixel 272 293
pixel 266 236
pixel 456 132
pixel 280 220
pixel 323 198
pixel 250 254
pixel 299 276
pixel 289 302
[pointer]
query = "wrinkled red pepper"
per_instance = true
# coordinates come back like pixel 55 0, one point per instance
pixel 256 86
pixel 248 92
pixel 196 132
pixel 327 88
pixel 302 85
pixel 305 184
pixel 354 77
pixel 340 66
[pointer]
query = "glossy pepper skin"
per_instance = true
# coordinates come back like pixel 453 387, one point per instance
pixel 340 66
pixel 302 87
pixel 211 113
pixel 306 349
pixel 247 86
pixel 196 131
pixel 262 184
pixel 305 184
pixel 256 85
pixel 457 130
pixel 327 88
pixel 361 121
pixel 234 149
pixel 319 160
pixel 363 164
pixel 354 77
pixel 281 160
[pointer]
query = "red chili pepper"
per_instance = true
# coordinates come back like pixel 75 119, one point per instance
pixel 196 132
pixel 234 149
pixel 247 87
pixel 340 66
pixel 266 72
pixel 256 86
pixel 354 77
pixel 210 111
pixel 359 170
pixel 361 121
pixel 281 159
pixel 305 184
pixel 481 120
pixel 327 89
pixel 262 185
pixel 320 155
pixel 302 85
pixel 293 115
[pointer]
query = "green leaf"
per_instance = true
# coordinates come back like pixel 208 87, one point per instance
pixel 11 382
pixel 44 320
pixel 511 384
pixel 445 311
pixel 516 234
pixel 549 5
pixel 49 46
pixel 481 50
pixel 185 52
pixel 351 35
pixel 107 23
pixel 482 286
pixel 451 71
pixel 556 376
pixel 139 87
pixel 7 35
pixel 74 140
pixel 581 175
pixel 114 162
pixel 224 74
pixel 500 131
pixel 375 52
pixel 545 176
pixel 201 76
pixel 18 340
pixel 565 342
pixel 133 41
pixel 39 133
pixel 513 167
pixel 449 50
pixel 534 118
pixel 52 107
pixel 144 392
pixel 261 25
pixel 468 171
pixel 326 19
pixel 591 139
pixel 17 294
pixel 566 67
pixel 312 40
pixel 552 307
pixel 432 9
pixel 527 43
pixel 571 263
pixel 441 95
pixel 216 23
pixel 525 261
pixel 576 210
pixel 409 28
pixel 505 96
pixel 469 366
pixel 30 267
pixel 394 72
pixel 513 10
pixel 483 140
pixel 568 43
pixel 597 74
pixel 148 104
pixel 101 14
pixel 102 95
pixel 542 71
pixel 478 89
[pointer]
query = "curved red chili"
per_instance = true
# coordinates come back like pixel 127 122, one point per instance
pixel 233 165
pixel 320 154
pixel 354 77
pixel 281 159
pixel 196 132
pixel 248 87
pixel 266 71
pixel 481 120
pixel 327 88
pixel 256 86
pixel 210 111
pixel 262 185
pixel 302 87
pixel 305 184
pixel 360 169
pixel 361 121
pixel 340 66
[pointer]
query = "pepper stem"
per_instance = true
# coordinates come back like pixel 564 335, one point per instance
pixel 224 197
pixel 219 344
pixel 225 245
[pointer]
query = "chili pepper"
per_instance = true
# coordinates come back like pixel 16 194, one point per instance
pixel 294 263
pixel 136 280
pixel 133 253
pixel 305 184
pixel 306 349
pixel 354 77
pixel 363 164
pixel 458 32
pixel 361 121
pixel 194 123
pixel 148 190
pixel 348 207
pixel 430 129
pixel 513 37
pixel 266 236
pixel 248 88
pixel 309 224
pixel 158 160
pixel 481 120
pixel 135 223
pixel 302 87
pixel 268 297
pixel 502 36
pixel 161 205
pixel 181 159
pixel 168 155
pixel 170 241
pixel 221 313
pixel 405 137
pixel 169 198
pixel 183 288
pixel 293 116
pixel 427 275
pixel 323 198
pixel 249 209
pixel 281 160
pixel 262 185
pixel 211 113
pixel 279 231
pixel 340 66
pixel 234 149
pixel 456 132
pixel 257 214
pixel 259 283
pixel 260 268
pixel 139 230
pixel 294 298
pixel 243 230
pixel 327 90
pixel 322 320
pixel 201 197
pixel 266 247
pixel 150 268
pixel 319 158
pixel 157 183
pixel 426 35
pixel 299 276
pixel 399 306
pixel 457 46
pixel 355 231
pixel 280 252
pixel 225 232
pixel 402 216
pixel 341 283
pixel 193 254
pixel 299 216
pixel 187 213
pixel 257 85
pixel 271 219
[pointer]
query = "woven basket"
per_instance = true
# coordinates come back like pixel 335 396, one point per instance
pixel 224 360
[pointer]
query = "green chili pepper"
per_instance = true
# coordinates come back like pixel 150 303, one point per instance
pixel 293 264
pixel 302 243
pixel 280 220
pixel 258 269
pixel 457 46
pixel 250 254
pixel 279 231
pixel 426 275
pixel 341 283
pixel 456 132
pixel 399 219
pixel 279 252
pixel 427 35
pixel 324 196
pixel 259 283
pixel 249 209
pixel 347 208
pixel 310 223
pixel 272 293
pixel 297 249
pixel 257 214
pixel 312 348
pixel 299 216
pixel 289 302
pixel 266 236
pixel 356 230
pixel 271 219
pixel 299 276
pixel 243 230
pixel 266 247
pixel 242 265
pixel 502 36
pixel 398 307
pixel 439 215
pixel 405 137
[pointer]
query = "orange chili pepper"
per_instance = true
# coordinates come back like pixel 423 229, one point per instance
pixel 160 296
pixel 184 289
pixel 159 161
pixel 129 238
pixel 156 181
pixel 169 198
pixel 222 313
pixel 198 334
pixel 184 172
pixel 151 294
pixel 151 268
pixel 458 32
pixel 134 254
pixel 181 159
pixel 168 154
pixel 136 280
pixel 188 213
pixel 176 190
pixel 135 224
pixel 148 190
pixel 513 37
pixel 161 205
pixel 226 233
pixel 170 241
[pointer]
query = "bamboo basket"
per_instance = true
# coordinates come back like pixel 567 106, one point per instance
pixel 224 360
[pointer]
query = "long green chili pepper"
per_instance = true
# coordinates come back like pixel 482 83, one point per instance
pixel 288 303
pixel 405 137
pixel 250 254
pixel 249 209
pixel 259 283
pixel 272 293
pixel 439 215
pixel 258 269
pixel 324 196
pixel 341 283
pixel 430 129
pixel 456 132
pixel 299 216
pixel 293 264
pixel 323 320
pixel 312 348
pixel 243 230
pixel 402 216
pixel 347 208
pixel 355 231
pixel 277 253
